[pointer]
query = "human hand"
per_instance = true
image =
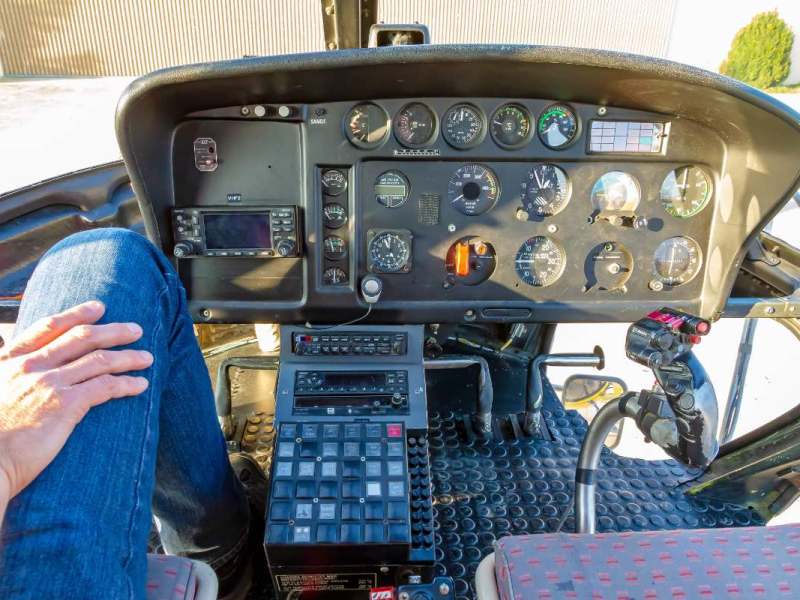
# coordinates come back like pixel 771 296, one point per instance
pixel 50 376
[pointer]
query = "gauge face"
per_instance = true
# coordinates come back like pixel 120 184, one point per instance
pixel 366 125
pixel 611 266
pixel 334 276
pixel 616 192
pixel 545 191
pixel 511 126
pixel 473 189
pixel 389 252
pixel 464 126
pixel 334 215
pixel 540 261
pixel 391 189
pixel 334 182
pixel 685 191
pixel 677 260
pixel 335 247
pixel 415 125
pixel 557 126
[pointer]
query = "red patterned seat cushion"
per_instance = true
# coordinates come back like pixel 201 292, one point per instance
pixel 170 578
pixel 706 564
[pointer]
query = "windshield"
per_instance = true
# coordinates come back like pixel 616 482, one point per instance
pixel 63 65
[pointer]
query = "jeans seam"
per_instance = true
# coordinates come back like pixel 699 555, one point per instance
pixel 148 432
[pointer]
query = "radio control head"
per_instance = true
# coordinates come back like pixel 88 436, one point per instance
pixel 371 288
pixel 183 249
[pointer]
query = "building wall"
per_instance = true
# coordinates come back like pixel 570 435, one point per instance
pixel 132 37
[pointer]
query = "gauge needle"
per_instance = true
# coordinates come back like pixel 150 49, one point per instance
pixel 454 200
pixel 538 181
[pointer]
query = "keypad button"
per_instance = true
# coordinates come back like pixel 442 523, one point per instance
pixel 374 468
pixel 303 511
pixel 351 511
pixel 280 511
pixel 352 431
pixel 394 430
pixel 352 489
pixel 396 510
pixel 288 431
pixel 374 430
pixel 394 449
pixel 278 534
pixel 373 532
pixel 351 469
pixel 282 489
pixel 286 450
pixel 306 489
pixel 350 533
pixel 352 450
pixel 309 431
pixel 398 532
pixel 306 468
pixel 331 431
pixel 397 489
pixel 329 469
pixel 373 510
pixel 374 489
pixel 283 469
pixel 373 449
pixel 394 468
pixel 302 534
pixel 308 449
pixel 327 511
pixel 327 534
pixel 329 489
pixel 330 449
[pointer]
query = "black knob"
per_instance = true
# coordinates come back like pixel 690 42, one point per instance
pixel 182 249
pixel 286 247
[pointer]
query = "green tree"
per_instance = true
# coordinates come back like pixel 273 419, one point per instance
pixel 760 52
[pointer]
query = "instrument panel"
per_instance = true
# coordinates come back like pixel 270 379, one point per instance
pixel 559 189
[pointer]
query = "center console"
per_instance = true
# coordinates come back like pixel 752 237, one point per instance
pixel 350 505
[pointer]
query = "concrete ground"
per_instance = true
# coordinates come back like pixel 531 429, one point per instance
pixel 52 126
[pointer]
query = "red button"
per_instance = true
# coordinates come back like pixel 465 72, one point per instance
pixel 394 430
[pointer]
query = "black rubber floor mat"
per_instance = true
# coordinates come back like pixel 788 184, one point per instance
pixel 486 489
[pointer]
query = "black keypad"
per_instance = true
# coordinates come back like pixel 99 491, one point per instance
pixel 338 483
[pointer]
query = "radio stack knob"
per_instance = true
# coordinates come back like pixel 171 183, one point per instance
pixel 182 249
pixel 286 247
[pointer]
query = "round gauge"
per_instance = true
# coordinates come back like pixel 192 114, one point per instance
pixel 540 261
pixel 511 126
pixel 557 126
pixel 334 182
pixel 389 252
pixel 677 260
pixel 335 247
pixel 464 126
pixel 392 189
pixel 545 191
pixel 616 192
pixel 611 265
pixel 685 191
pixel 415 125
pixel 334 215
pixel 366 125
pixel 334 276
pixel 470 261
pixel 473 189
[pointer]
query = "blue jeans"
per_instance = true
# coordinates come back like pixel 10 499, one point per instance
pixel 81 528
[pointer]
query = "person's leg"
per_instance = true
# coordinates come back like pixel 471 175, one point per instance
pixel 81 528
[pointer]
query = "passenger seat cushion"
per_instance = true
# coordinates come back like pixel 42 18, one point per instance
pixel 170 578
pixel 708 564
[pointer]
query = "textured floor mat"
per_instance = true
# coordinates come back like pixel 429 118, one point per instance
pixel 486 489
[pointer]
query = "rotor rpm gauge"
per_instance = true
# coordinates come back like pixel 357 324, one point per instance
pixel 391 189
pixel 616 192
pixel 557 126
pixel 334 182
pixel 677 260
pixel 473 189
pixel 685 191
pixel 415 125
pixel 610 266
pixel 464 126
pixel 366 125
pixel 389 251
pixel 511 126
pixel 540 261
pixel 545 191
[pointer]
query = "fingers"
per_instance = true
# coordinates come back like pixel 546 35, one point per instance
pixel 82 340
pixel 101 362
pixel 104 388
pixel 46 330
